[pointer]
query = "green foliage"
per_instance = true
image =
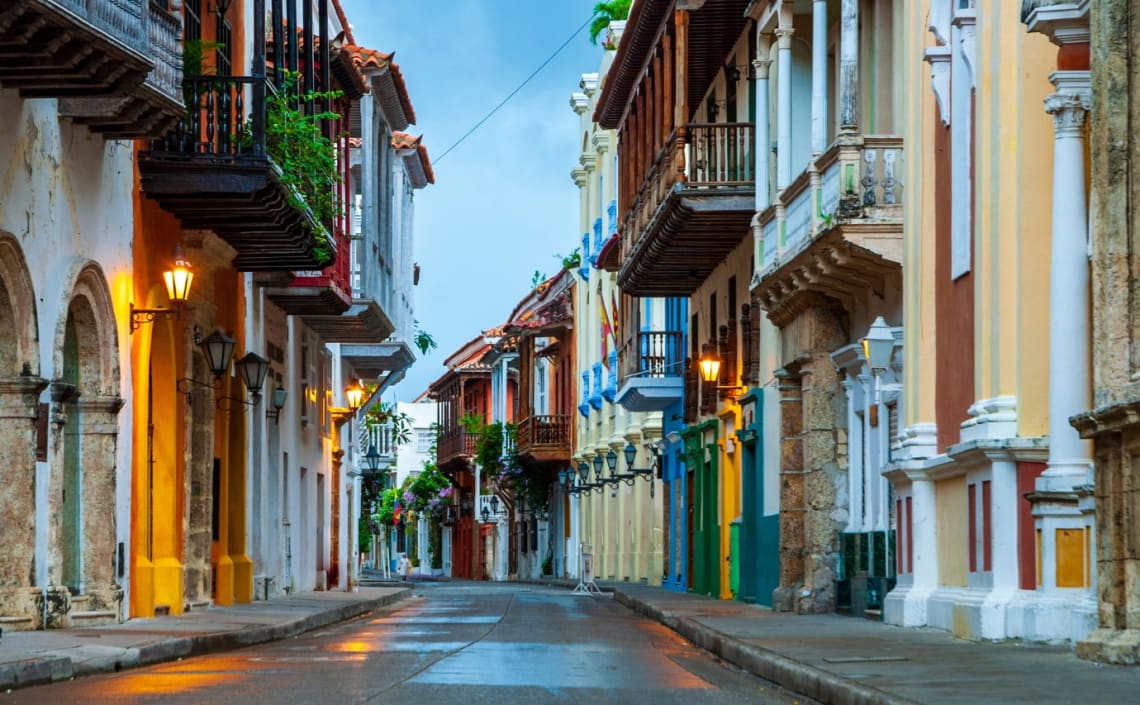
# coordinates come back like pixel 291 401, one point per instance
pixel 412 544
pixel 548 566
pixel 298 144
pixel 435 545
pixel 382 413
pixel 385 511
pixel 570 261
pixel 536 279
pixel 606 12
pixel 363 534
pixel 424 340
pixel 488 441
pixel 530 483
pixel 194 53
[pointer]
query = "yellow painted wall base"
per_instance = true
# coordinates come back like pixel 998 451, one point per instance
pixel 224 582
pixel 243 578
pixel 168 584
pixel 1070 558
pixel 142 588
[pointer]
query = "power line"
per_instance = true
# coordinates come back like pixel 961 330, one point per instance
pixel 437 160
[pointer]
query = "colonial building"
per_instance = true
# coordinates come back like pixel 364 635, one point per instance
pixel 68 226
pixel 619 355
pixel 464 392
pixel 995 526
pixel 828 235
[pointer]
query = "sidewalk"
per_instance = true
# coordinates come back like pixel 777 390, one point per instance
pixel 852 661
pixel 33 658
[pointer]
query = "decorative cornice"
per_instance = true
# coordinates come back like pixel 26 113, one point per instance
pixel 762 67
pixel 601 141
pixel 579 103
pixel 578 174
pixel 1063 22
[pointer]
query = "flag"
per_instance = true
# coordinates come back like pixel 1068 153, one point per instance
pixel 614 319
pixel 607 330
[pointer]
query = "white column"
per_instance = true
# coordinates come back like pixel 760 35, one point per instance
pixel 1069 380
pixel 855 467
pixel 763 139
pixel 819 77
pixel 784 108
pixel 924 548
pixel 849 66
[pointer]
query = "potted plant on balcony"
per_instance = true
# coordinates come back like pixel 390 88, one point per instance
pixel 604 14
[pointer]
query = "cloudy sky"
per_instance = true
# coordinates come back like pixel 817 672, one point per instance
pixel 503 203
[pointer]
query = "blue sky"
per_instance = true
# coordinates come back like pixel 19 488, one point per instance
pixel 503 203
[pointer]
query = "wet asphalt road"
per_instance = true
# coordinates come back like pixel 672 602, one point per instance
pixel 459 644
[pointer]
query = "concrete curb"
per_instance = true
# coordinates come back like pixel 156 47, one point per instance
pixel 818 684
pixel 52 668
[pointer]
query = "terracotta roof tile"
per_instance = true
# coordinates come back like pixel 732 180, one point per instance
pixel 372 59
pixel 402 140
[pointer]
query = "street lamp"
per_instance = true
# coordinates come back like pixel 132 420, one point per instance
pixel 178 280
pixel 709 364
pixel 278 399
pixel 878 346
pixel 252 368
pixel 354 395
pixel 495 504
pixel 486 514
pixel 650 472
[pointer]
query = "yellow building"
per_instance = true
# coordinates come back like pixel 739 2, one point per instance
pixel 617 515
pixel 993 516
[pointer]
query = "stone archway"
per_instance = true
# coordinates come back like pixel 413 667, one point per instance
pixel 82 550
pixel 20 387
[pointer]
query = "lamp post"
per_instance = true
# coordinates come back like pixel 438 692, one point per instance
pixel 877 349
pixel 178 280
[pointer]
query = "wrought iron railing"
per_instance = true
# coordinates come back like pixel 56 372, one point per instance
pixel 544 431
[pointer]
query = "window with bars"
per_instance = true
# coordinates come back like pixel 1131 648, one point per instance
pixel 192 11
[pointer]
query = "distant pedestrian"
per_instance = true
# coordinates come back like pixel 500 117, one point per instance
pixel 402 566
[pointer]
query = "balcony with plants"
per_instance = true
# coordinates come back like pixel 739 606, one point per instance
pixel 687 186
pixel 113 65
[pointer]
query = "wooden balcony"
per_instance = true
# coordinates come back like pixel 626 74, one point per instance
pixel 835 231
pixel 651 365
pixel 545 438
pixel 455 447
pixel 213 172
pixel 114 64
pixel 692 210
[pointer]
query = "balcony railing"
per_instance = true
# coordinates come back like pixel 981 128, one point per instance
pixel 544 432
pixel 651 355
pixel 666 235
pixel 455 444
pixel 213 171
pixel 851 182
pixel 114 64
pixel 383 436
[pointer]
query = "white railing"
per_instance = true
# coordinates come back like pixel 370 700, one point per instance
pixel 850 182
pixel 383 436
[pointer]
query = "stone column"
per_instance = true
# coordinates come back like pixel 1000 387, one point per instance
pixel 791 492
pixel 19 597
pixel 849 67
pixel 1070 385
pixel 99 450
pixel 784 108
pixel 819 77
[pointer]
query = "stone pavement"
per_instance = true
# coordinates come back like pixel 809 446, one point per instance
pixel 853 661
pixel 32 658
pixel 831 659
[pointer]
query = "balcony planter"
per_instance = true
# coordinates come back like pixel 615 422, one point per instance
pixel 215 171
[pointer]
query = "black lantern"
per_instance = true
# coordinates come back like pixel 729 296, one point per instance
pixel 278 399
pixel 583 472
pixel 611 461
pixel 630 455
pixel 253 368
pixel 218 348
pixel 598 466
pixel 494 504
pixel 372 459
pixel 486 514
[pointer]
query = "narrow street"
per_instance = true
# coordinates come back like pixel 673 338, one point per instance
pixel 466 644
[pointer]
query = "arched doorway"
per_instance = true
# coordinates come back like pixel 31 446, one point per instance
pixel 20 439
pixel 82 497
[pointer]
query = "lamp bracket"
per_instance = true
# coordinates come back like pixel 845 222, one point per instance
pixel 254 400
pixel 139 316
pixel 185 385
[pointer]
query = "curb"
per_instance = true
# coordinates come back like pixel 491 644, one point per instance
pixel 795 676
pixel 49 669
